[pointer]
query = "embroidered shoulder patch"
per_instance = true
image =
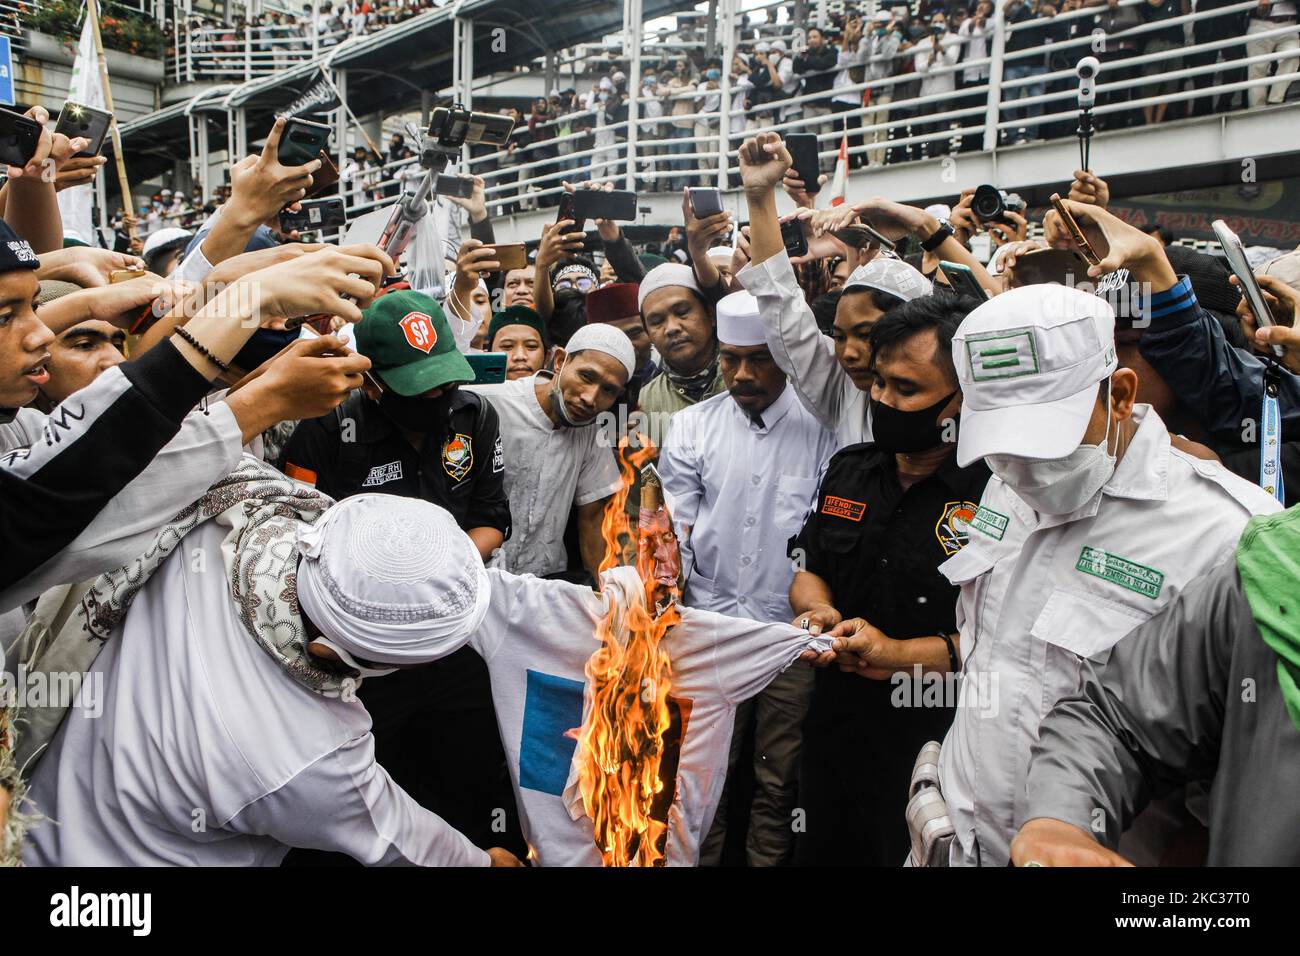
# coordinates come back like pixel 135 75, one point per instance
pixel 1127 574
pixel 843 508
pixel 989 522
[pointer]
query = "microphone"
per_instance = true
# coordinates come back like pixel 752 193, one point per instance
pixel 1087 70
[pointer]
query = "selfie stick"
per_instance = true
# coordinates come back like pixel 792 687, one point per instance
pixel 1087 70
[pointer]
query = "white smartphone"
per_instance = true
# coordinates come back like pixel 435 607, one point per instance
pixel 1236 256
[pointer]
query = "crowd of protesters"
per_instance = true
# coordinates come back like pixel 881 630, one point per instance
pixel 974 573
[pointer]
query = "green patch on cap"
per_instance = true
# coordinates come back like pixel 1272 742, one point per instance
pixel 1004 354
pixel 410 346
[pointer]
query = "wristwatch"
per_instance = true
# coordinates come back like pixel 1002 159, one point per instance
pixel 938 236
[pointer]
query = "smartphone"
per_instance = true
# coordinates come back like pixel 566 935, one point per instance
pixel 705 201
pixel 1072 227
pixel 792 237
pixel 489 367
pixel 302 141
pixel 462 187
pixel 1043 266
pixel 77 120
pixel 1240 266
pixel 324 179
pixel 617 204
pixel 569 210
pixel 511 255
pixel 317 214
pixel 803 150
pixel 962 280
pixel 19 137
pixel 857 235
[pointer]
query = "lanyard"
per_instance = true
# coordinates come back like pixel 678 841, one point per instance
pixel 1270 440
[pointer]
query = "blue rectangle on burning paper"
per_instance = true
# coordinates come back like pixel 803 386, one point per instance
pixel 552 707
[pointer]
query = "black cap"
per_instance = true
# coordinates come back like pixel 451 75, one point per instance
pixel 15 253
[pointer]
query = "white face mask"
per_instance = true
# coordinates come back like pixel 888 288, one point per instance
pixel 1059 486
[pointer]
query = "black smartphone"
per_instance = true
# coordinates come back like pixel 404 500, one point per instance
pixel 962 280
pixel 302 141
pixel 459 186
pixel 489 367
pixel 792 237
pixel 617 204
pixel 705 201
pixel 315 214
pixel 803 150
pixel 19 137
pixel 569 210
pixel 77 120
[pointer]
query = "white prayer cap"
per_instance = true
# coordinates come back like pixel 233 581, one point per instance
pixel 163 236
pixel 722 254
pixel 391 580
pixel 762 46
pixel 739 322
pixel 889 275
pixel 603 337
pixel 664 275
pixel 779 45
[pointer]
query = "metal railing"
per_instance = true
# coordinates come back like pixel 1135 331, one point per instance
pixel 228 53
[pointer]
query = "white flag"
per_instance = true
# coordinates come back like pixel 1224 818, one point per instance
pixel 75 204
pixel 840 180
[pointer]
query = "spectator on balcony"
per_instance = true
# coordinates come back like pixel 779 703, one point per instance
pixel 815 65
pixel 1209 30
pixel 682 126
pixel 975 31
pixel 1160 41
pixel 353 175
pixel 1027 32
pixel 935 58
pixel 651 108
pixel 1273 15
pixel 878 54
pixel 707 127
pixel 361 12
pixel 541 132
pixel 1115 20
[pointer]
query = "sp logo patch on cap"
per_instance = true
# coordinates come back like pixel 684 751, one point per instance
pixel 419 331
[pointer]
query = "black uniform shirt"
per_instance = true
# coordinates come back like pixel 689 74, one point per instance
pixel 879 548
pixel 356 449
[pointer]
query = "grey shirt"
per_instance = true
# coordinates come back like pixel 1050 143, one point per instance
pixel 1192 694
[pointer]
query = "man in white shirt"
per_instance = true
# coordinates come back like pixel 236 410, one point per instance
pixel 741 471
pixel 230 728
pixel 554 458
pixel 1091 525
pixel 934 57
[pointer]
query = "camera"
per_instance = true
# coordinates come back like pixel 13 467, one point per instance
pixel 1087 70
pixel 991 204
pixel 453 127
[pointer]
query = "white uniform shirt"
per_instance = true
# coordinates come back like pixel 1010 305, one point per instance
pixel 743 491
pixel 942 79
pixel 536 640
pixel 977 48
pixel 547 469
pixel 1040 593
pixel 803 353
pixel 208 754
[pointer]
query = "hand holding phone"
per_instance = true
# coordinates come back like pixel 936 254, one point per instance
pixel 1246 281
pixel 20 137
pixel 1076 234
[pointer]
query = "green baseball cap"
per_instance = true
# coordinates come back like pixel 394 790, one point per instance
pixel 410 346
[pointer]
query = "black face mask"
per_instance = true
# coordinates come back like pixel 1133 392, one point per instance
pixel 896 432
pixel 424 416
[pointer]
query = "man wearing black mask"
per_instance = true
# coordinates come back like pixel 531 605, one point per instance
pixel 412 431
pixel 887 514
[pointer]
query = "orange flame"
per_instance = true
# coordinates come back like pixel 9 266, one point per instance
pixel 621 744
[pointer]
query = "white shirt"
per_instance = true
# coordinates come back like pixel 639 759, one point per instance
pixel 548 468
pixel 942 80
pixel 846 60
pixel 208 754
pixel 977 48
pixel 790 84
pixel 803 353
pixel 743 491
pixel 536 640
pixel 1039 593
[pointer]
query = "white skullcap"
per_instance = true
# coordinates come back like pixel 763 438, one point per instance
pixel 160 238
pixel 762 46
pixel 392 580
pixel 779 45
pixel 603 337
pixel 739 322
pixel 664 275
pixel 722 254
pixel 890 275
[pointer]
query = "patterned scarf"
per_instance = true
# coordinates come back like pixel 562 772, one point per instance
pixel 262 510
pixel 697 384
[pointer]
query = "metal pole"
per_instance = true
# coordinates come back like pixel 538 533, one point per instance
pixel 632 36
pixel 315 34
pixel 996 54
pixel 205 172
pixel 727 17
pixel 711 29
pixel 92 10
pixel 241 131
pixel 341 125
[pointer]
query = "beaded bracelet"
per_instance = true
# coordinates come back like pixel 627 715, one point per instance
pixel 201 349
